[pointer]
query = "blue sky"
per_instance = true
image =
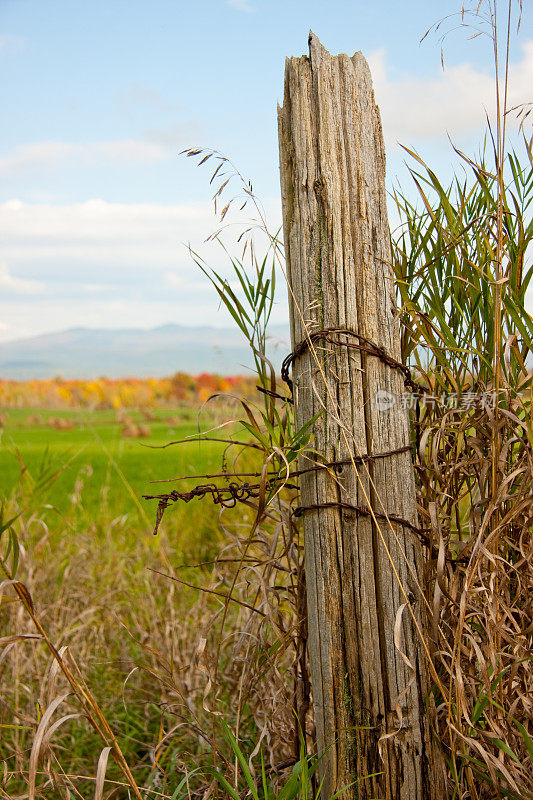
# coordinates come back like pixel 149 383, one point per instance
pixel 98 98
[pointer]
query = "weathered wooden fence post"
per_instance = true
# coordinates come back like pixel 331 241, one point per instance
pixel 366 658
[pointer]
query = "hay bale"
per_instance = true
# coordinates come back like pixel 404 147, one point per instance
pixel 129 431
pixel 60 424
pixel 65 424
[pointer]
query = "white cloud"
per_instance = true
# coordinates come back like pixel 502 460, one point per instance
pixel 137 94
pixel 94 288
pixel 142 232
pixel 175 136
pixel 173 280
pixel 111 265
pixel 455 102
pixel 51 155
pixel 97 223
pixel 242 5
pixel 10 283
pixel 187 282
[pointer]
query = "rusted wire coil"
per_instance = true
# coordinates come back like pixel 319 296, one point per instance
pixel 362 344
pixel 228 496
pixel 423 533
pixel 225 496
pixel 366 512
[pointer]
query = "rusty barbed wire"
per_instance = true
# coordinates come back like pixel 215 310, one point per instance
pixel 366 512
pixel 228 496
pixel 362 344
pixel 224 496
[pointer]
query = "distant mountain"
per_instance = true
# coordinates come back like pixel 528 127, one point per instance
pixel 135 352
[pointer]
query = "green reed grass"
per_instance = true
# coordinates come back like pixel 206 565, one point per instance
pixel 445 263
pixel 461 251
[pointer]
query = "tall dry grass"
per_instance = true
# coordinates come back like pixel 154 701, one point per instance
pixel 462 262
pixel 222 643
pixel 480 577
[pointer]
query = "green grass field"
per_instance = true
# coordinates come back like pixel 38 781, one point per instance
pixel 95 457
pixel 92 566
